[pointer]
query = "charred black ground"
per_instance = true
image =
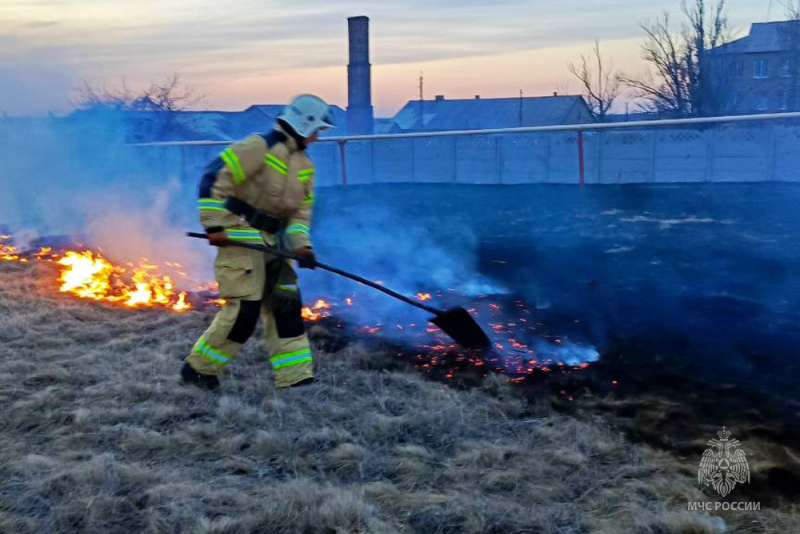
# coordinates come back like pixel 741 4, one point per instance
pixel 690 293
pixel 708 273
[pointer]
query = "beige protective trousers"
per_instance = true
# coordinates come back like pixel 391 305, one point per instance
pixel 256 284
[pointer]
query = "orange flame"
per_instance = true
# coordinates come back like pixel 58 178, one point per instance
pixel 44 253
pixel 90 276
pixel 320 304
pixel 181 305
pixel 310 315
pixel 8 252
pixel 85 275
pixel 316 311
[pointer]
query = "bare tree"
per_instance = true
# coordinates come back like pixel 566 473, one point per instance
pixel 791 9
pixel 167 96
pixel 159 103
pixel 601 84
pixel 682 80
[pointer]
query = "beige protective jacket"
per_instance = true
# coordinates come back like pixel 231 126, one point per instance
pixel 271 173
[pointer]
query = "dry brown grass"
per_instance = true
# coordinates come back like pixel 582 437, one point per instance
pixel 97 436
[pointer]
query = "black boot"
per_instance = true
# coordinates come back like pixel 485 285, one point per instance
pixel 303 382
pixel 190 376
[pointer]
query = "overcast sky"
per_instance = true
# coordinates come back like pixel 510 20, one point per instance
pixel 261 51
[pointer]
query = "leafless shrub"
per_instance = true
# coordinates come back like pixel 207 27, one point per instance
pixel 166 96
pixel 600 82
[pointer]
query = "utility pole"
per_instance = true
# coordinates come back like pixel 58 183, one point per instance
pixel 421 100
pixel 520 108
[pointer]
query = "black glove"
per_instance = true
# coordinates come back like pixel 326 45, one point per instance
pixel 306 258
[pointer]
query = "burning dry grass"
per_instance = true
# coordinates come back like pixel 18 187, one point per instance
pixel 88 275
pixel 98 437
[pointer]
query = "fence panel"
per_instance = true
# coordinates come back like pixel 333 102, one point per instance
pixel 673 152
pixel 626 157
pixel 525 159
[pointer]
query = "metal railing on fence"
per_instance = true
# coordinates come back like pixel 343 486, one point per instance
pixel 731 148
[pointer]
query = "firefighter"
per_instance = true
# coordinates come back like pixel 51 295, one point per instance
pixel 260 190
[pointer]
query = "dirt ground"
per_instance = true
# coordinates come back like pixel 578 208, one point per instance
pixel 97 436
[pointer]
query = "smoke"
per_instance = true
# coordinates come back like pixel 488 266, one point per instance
pixel 78 177
pixel 146 232
pixel 379 239
pixel 566 352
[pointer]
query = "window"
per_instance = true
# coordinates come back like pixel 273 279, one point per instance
pixel 787 68
pixel 762 102
pixel 782 100
pixel 738 68
pixel 760 68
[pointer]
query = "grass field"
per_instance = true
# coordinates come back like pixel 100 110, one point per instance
pixel 97 436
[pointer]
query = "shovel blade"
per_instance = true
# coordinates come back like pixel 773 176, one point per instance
pixel 459 325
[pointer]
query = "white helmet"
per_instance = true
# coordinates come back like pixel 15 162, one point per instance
pixel 307 114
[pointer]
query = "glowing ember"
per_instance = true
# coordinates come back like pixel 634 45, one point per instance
pixel 424 296
pixel 44 253
pixel 181 305
pixel 321 305
pixel 309 314
pixel 316 311
pixel 8 252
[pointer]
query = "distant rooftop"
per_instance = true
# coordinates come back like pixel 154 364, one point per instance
pixel 483 113
pixel 204 125
pixel 764 37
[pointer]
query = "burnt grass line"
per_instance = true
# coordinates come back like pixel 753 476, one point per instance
pixel 97 436
pixel 634 386
pixel 655 395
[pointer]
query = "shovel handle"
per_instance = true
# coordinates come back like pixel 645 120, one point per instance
pixel 351 276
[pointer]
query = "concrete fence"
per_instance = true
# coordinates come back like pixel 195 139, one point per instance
pixel 657 152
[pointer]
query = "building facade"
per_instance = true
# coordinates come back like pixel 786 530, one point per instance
pixel 759 73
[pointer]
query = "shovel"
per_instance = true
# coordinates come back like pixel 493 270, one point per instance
pixel 455 322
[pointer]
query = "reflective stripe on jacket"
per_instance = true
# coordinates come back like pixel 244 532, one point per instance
pixel 269 172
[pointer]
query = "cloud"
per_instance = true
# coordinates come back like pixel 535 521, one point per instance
pixel 107 40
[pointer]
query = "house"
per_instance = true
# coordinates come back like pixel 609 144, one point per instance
pixel 270 112
pixel 759 73
pixel 635 116
pixel 479 113
pixel 150 126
